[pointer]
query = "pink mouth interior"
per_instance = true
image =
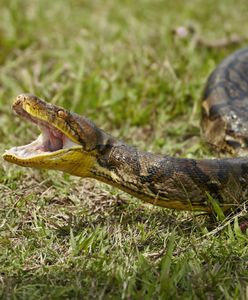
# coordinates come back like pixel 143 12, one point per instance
pixel 50 140
pixel 53 140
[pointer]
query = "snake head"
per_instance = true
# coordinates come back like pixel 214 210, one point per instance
pixel 68 142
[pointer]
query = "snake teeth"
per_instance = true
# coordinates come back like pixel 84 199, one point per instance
pixel 27 150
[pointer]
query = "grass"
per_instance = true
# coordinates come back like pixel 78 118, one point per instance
pixel 63 237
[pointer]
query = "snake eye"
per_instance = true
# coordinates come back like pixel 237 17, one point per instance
pixel 61 113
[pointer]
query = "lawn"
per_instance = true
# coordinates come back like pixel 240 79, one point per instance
pixel 116 62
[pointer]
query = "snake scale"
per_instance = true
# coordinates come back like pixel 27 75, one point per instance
pixel 74 144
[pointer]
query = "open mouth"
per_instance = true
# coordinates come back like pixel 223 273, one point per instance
pixel 50 140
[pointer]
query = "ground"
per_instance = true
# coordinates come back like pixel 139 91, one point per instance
pixel 116 62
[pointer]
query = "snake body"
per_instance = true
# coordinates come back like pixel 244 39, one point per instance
pixel 225 105
pixel 73 144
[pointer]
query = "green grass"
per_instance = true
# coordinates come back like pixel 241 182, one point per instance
pixel 63 237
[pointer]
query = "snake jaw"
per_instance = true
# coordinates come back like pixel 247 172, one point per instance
pixel 51 139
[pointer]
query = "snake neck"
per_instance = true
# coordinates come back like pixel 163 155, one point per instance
pixel 125 167
pixel 153 178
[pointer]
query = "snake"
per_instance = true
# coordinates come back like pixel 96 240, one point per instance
pixel 74 144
